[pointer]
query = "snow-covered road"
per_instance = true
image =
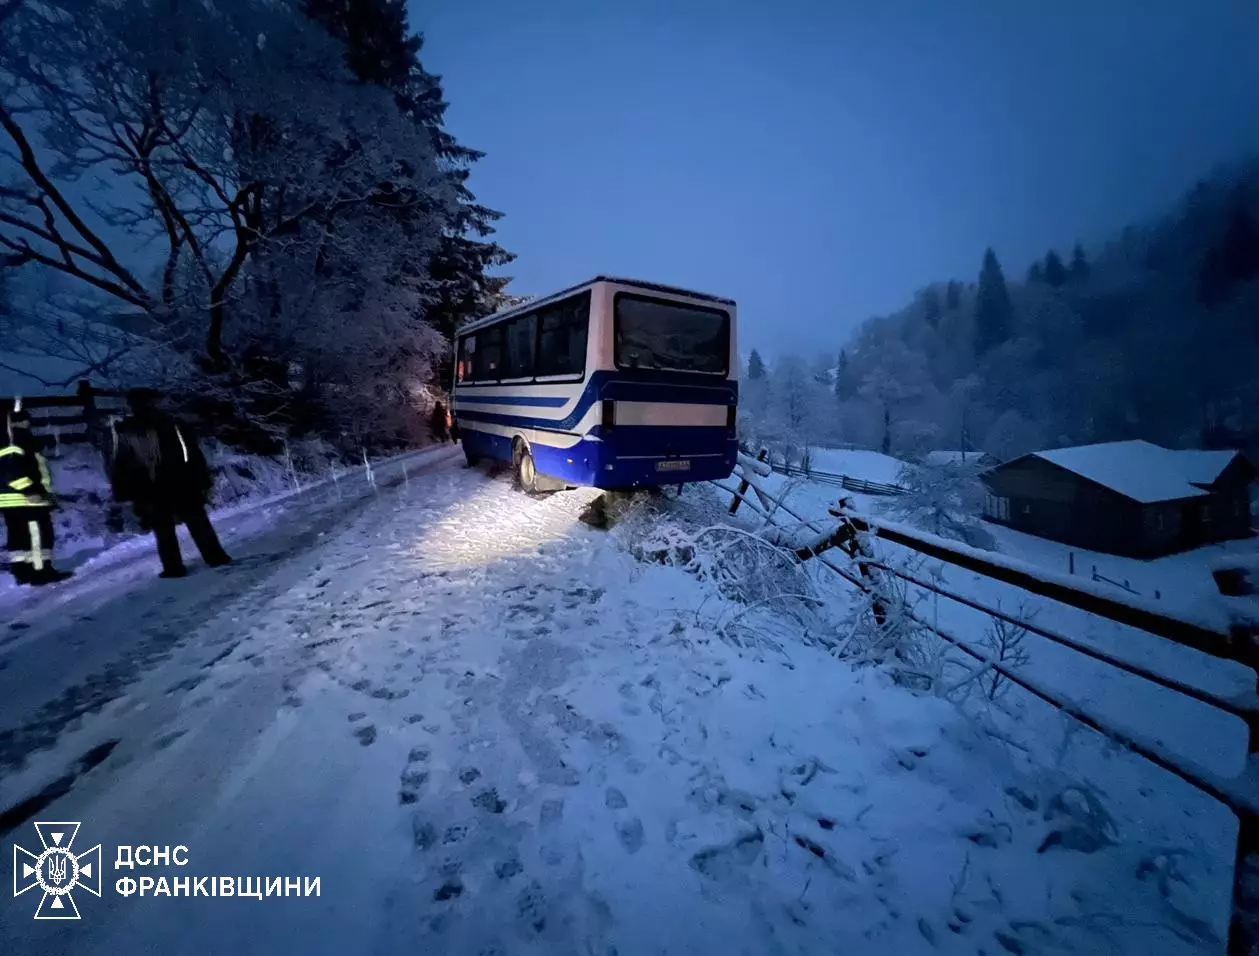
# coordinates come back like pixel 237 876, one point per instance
pixel 487 728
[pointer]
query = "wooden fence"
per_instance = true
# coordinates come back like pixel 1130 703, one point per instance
pixel 847 482
pixel 850 533
pixel 83 416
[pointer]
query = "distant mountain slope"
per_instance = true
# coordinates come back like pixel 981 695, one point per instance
pixel 1154 336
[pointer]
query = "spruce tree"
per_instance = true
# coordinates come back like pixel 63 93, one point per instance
pixel 1035 273
pixel 1233 259
pixel 993 311
pixel 1079 270
pixel 756 366
pixel 1055 271
pixel 953 296
pixel 381 49
pixel 931 306
pixel 845 387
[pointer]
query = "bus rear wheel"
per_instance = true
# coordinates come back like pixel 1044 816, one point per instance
pixel 526 471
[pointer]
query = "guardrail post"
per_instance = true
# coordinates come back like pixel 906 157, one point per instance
pixel 91 415
pixel 744 484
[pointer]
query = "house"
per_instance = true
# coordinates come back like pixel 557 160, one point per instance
pixel 1131 498
pixel 941 459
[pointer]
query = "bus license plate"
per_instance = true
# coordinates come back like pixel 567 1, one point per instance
pixel 679 464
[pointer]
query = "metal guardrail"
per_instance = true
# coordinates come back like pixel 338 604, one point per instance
pixel 849 531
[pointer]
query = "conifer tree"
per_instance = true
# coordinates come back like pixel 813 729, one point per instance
pixel 993 311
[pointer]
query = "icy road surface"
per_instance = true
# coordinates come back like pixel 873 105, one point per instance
pixel 488 729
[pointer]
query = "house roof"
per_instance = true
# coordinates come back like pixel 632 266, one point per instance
pixel 1140 470
pixel 1204 467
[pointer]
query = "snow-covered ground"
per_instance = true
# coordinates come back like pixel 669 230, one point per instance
pixel 856 463
pixel 488 728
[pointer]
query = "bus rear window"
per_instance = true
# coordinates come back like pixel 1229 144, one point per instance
pixel 658 334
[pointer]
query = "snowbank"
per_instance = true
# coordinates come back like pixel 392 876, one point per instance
pixel 857 463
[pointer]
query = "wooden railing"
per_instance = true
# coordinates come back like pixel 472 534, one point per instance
pixel 67 419
pixel 847 482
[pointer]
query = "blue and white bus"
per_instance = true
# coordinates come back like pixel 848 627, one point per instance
pixel 614 384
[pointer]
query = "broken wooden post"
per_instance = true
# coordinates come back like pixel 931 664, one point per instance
pixel 744 484
pixel 857 549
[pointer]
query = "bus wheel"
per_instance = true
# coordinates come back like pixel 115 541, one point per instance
pixel 526 472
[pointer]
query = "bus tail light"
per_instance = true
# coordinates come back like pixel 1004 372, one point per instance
pixel 609 414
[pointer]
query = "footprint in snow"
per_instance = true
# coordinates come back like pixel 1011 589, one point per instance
pixel 423 834
pixel 366 735
pixel 531 907
pixel 630 833
pixel 551 813
pixel 489 801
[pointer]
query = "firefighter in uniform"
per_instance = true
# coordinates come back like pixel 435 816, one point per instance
pixel 26 501
pixel 159 468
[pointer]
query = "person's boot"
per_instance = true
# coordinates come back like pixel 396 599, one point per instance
pixel 21 573
pixel 48 575
pixel 179 572
pixel 220 560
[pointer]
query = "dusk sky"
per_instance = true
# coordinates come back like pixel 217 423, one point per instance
pixel 818 162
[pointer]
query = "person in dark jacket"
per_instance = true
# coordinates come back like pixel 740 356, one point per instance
pixel 439 424
pixel 26 501
pixel 158 466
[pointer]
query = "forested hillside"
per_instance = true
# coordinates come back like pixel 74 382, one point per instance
pixel 1154 336
pixel 253 206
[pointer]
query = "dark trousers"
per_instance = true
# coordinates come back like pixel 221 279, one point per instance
pixel 198 524
pixel 29 530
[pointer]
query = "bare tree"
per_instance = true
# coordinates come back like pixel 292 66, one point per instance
pixel 226 129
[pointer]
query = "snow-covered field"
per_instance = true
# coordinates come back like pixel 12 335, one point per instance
pixel 489 728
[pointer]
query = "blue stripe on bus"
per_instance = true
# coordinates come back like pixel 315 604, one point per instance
pixel 544 401
pixel 563 426
pixel 657 387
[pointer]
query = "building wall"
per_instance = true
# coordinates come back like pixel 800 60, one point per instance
pixel 1053 503
pixel 1220 516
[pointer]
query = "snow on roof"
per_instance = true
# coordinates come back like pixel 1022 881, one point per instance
pixel 1203 467
pixel 1140 470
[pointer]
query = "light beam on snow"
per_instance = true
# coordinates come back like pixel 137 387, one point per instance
pixel 497 522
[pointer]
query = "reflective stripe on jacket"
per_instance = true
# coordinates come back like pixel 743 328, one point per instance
pixel 25 481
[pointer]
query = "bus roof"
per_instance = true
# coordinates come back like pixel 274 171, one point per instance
pixel 636 283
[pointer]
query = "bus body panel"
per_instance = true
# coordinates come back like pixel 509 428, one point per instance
pixel 666 427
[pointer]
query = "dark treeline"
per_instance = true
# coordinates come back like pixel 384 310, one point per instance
pixel 1155 335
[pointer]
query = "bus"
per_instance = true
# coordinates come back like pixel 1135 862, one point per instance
pixel 615 384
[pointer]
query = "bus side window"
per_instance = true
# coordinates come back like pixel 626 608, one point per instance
pixel 521 338
pixel 562 338
pixel 487 358
pixel 467 349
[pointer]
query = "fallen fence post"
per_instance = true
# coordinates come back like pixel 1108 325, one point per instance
pixel 744 484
